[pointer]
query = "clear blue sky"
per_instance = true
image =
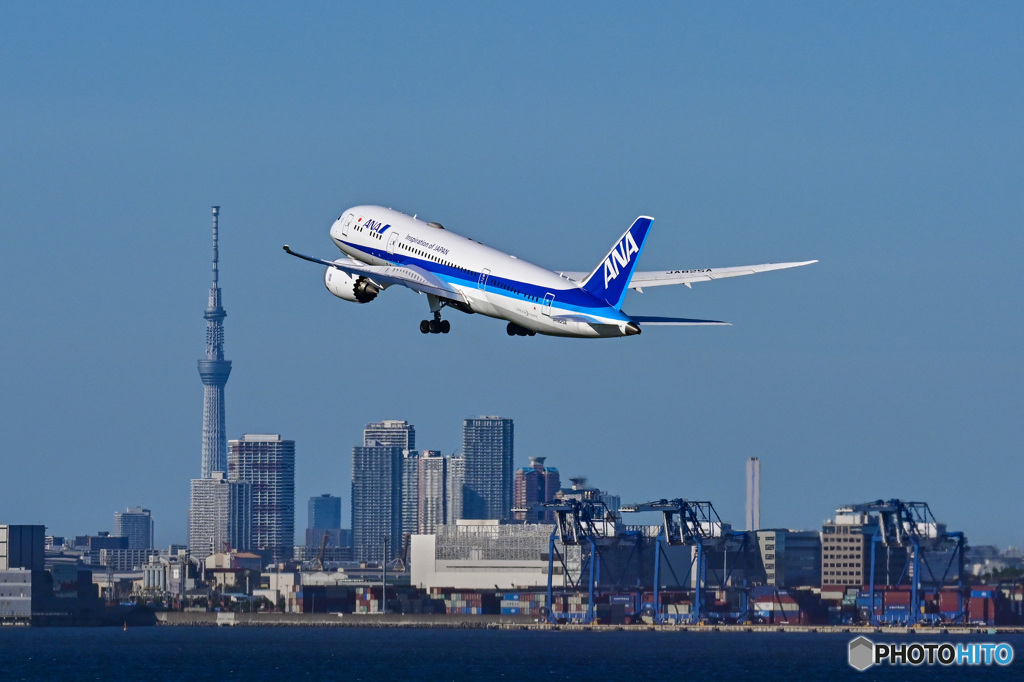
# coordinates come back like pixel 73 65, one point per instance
pixel 883 139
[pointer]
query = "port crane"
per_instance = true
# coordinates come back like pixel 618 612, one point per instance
pixel 911 525
pixel 688 523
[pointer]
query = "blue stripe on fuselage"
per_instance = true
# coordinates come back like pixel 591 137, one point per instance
pixel 573 298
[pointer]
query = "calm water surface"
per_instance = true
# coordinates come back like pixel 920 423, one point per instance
pixel 178 653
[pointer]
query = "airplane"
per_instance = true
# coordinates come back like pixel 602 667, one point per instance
pixel 384 247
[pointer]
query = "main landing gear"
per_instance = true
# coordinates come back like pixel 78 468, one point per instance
pixel 515 330
pixel 436 325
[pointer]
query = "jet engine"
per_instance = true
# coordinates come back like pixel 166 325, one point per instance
pixel 343 285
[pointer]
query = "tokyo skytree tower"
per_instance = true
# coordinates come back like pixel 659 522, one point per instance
pixel 214 371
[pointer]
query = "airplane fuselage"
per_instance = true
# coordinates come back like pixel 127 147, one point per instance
pixel 491 282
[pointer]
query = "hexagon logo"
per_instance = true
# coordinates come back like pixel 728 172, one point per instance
pixel 862 653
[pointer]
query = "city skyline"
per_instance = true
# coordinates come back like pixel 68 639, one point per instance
pixel 882 140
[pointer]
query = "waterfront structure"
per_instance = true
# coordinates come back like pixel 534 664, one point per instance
pixel 214 371
pixel 487 447
pixel 220 516
pixel 533 486
pixel 267 462
pixel 484 554
pixel 324 517
pixel 753 493
pixel 432 491
pixel 136 524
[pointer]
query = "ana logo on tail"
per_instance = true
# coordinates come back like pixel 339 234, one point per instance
pixel 619 257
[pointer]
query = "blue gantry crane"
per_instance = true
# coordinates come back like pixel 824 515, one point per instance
pixel 578 523
pixel 689 523
pixel 912 527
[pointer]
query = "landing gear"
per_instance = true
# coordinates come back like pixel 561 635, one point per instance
pixel 514 329
pixel 436 325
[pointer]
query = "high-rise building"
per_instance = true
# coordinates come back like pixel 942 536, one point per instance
pixel 378 472
pixel 487 445
pixel 376 501
pixel 753 494
pixel 214 371
pixel 390 432
pixel 432 489
pixel 220 515
pixel 456 483
pixel 136 524
pixel 533 486
pixel 324 517
pixel 267 462
pixel 410 492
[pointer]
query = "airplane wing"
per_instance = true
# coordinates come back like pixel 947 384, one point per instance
pixel 383 276
pixel 688 277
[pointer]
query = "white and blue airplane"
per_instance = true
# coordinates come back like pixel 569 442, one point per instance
pixel 384 247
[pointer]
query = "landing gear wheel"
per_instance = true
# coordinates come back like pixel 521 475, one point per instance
pixel 434 326
pixel 425 326
pixel 446 326
pixel 510 329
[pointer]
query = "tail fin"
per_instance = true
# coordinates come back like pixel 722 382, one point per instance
pixel 610 278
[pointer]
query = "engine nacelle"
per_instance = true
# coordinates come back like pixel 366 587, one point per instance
pixel 343 285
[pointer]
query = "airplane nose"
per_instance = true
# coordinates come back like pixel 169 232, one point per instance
pixel 632 328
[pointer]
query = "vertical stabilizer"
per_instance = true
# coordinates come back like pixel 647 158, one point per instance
pixel 610 278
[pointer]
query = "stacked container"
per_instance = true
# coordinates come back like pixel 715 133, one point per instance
pixel 524 604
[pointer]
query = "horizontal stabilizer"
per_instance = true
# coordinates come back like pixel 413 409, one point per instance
pixel 672 321
pixel 642 280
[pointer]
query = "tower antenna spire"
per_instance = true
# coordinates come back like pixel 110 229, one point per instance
pixel 214 371
pixel 216 212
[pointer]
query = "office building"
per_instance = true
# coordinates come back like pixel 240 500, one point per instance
pixel 487 448
pixel 533 486
pixel 791 558
pixel 846 551
pixel 220 515
pixel 324 517
pixel 267 462
pixel 136 524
